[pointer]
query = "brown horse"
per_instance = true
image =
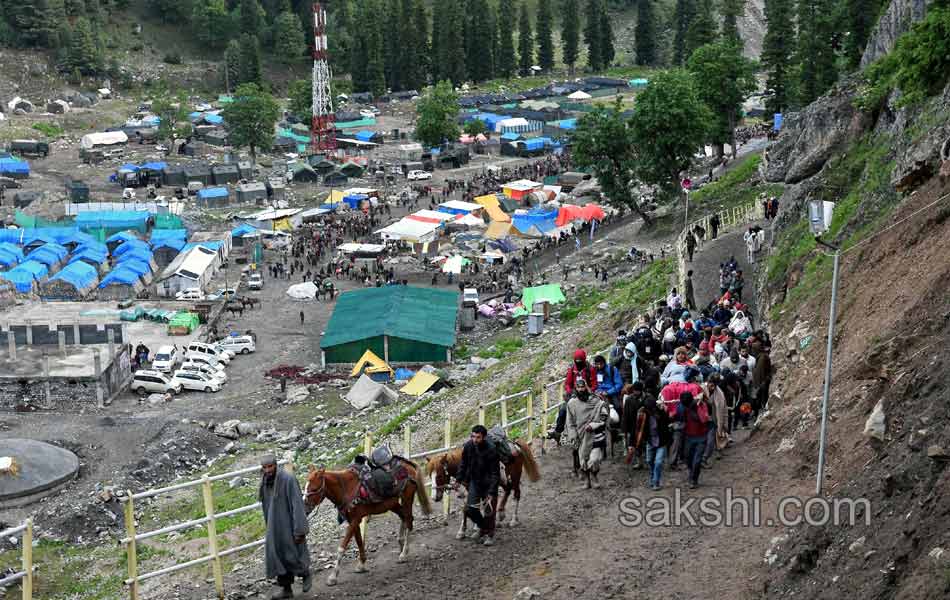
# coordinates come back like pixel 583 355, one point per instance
pixel 445 466
pixel 341 488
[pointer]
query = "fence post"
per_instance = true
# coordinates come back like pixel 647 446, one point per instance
pixel 504 413
pixel 367 450
pixel 130 547
pixel 544 416
pixel 406 440
pixel 481 414
pixel 530 417
pixel 27 542
pixel 208 497
pixel 447 442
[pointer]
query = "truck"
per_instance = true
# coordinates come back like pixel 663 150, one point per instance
pixel 30 147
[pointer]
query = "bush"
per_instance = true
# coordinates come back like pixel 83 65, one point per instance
pixel 48 129
pixel 172 58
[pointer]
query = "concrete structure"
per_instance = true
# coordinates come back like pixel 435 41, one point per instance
pixel 40 468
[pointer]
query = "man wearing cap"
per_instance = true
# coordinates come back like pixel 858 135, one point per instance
pixel 587 418
pixel 285 541
pixel 580 370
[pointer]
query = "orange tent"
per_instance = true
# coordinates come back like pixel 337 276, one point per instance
pixel 592 212
pixel 567 214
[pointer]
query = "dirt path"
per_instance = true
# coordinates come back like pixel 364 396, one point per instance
pixel 573 543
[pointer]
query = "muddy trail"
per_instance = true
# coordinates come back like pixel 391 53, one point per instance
pixel 577 543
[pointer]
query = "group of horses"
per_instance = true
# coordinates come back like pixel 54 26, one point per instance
pixel 341 487
pixel 240 304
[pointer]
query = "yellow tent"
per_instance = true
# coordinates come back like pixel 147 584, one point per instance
pixel 498 230
pixel 376 364
pixel 493 208
pixel 283 225
pixel 334 197
pixel 420 384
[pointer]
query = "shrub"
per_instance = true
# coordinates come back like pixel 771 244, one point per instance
pixel 172 58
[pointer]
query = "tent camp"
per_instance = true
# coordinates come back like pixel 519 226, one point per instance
pixel 372 365
pixel 366 393
pixel 431 216
pixel 402 324
pixel 121 283
pixel 457 207
pixel 492 207
pixel 498 230
pixel 190 269
pixel 14 168
pixel 252 193
pixel 580 95
pixel 224 174
pixel 91 141
pixel 410 230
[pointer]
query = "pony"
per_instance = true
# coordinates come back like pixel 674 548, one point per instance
pixel 342 487
pixel 445 467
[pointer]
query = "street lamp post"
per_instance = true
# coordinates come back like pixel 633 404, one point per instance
pixel 828 357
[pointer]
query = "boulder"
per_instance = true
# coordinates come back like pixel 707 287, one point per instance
pixel 528 593
pixel 876 424
pixel 937 452
pixel 248 428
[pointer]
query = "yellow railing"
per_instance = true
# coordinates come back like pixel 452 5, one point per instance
pixel 25 574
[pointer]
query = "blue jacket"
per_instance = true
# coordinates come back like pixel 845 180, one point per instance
pixel 612 383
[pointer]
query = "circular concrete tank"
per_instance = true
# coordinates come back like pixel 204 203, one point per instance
pixel 41 467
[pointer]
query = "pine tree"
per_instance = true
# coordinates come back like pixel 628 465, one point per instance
pixel 251 18
pixel 288 38
pixel 340 22
pixel 231 69
pixel 645 33
pixel 418 66
pixel 393 41
pixel 479 61
pixel 683 16
pixel 815 50
pixel 861 17
pixel 83 53
pixel 37 21
pixel 702 29
pixel 570 33
pixel 732 11
pixel 211 23
pixel 592 35
pixel 525 42
pixel 608 52
pixel 777 52
pixel 506 21
pixel 250 65
pixel 543 35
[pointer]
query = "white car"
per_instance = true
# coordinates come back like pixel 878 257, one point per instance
pixel 190 294
pixel 418 175
pixel 205 370
pixel 255 282
pixel 166 359
pixel 150 381
pixel 193 380
pixel 210 350
pixel 367 114
pixel 203 359
pixel 227 294
pixel 241 344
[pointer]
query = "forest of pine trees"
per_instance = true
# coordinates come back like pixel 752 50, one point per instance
pixel 407 44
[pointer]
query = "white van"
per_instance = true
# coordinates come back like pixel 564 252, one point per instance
pixel 239 344
pixel 166 359
pixel 151 381
pixel 204 369
pixel 210 350
pixel 203 359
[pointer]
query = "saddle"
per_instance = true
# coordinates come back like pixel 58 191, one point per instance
pixel 506 449
pixel 382 476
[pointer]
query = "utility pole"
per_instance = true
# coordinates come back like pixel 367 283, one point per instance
pixel 828 358
pixel 322 136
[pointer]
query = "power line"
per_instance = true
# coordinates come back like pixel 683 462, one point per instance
pixel 889 227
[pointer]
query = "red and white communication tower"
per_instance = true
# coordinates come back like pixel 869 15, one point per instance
pixel 321 125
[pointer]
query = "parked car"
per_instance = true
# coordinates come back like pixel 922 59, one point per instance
pixel 195 381
pixel 6 183
pixel 151 381
pixel 255 282
pixel 203 359
pixel 418 175
pixel 205 369
pixel 240 344
pixel 367 114
pixel 469 297
pixel 220 293
pixel 166 359
pixel 209 350
pixel 190 294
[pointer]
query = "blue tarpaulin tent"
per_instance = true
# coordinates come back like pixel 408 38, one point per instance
pixel 538 143
pixel 136 264
pixel 213 119
pixel 143 255
pixel 89 255
pixel 8 259
pixel 242 230
pixel 354 200
pixel 78 274
pixel 36 269
pixel 163 234
pixel 121 275
pixel 510 136
pixel 154 166
pixel 170 242
pixel 130 245
pixel 214 245
pixel 48 254
pixel 489 119
pixel 22 280
pixel 535 222
pixel 11 249
pixel 213 192
pixel 12 167
pixel 365 135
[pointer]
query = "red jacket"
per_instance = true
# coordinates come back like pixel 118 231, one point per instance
pixel 589 373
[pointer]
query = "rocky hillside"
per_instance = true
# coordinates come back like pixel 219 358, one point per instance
pixel 889 422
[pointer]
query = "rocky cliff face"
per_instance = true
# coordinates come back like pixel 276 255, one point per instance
pixel 897 19
pixel 752 28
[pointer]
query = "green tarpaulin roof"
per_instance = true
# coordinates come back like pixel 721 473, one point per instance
pixel 413 313
pixel 551 293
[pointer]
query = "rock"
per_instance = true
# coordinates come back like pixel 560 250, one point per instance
pixel 105 495
pixel 916 439
pixel 248 428
pixel 490 362
pixel 476 360
pixel 297 393
pixel 857 546
pixel 236 482
pixel 876 424
pixel 228 434
pixel 937 452
pixel 231 448
pixel 603 306
pixel 80 101
pixel 896 20
pixel 527 593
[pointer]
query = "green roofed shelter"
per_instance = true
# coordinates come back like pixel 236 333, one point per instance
pixel 542 293
pixel 402 324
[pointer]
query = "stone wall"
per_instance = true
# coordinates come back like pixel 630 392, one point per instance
pixel 47 334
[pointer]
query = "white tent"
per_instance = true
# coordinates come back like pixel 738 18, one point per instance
pixel 410 231
pixel 108 138
pixel 580 95
pixel 351 247
pixel 459 205
pixel 470 220
pixel 517 124
pixel 303 291
pixel 453 265
pixel 366 393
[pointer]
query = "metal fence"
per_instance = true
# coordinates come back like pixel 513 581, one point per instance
pixel 25 574
pixel 215 553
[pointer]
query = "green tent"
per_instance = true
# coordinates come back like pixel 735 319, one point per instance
pixel 542 293
pixel 184 319
pixel 399 323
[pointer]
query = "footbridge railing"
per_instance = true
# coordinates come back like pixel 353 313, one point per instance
pixel 25 575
